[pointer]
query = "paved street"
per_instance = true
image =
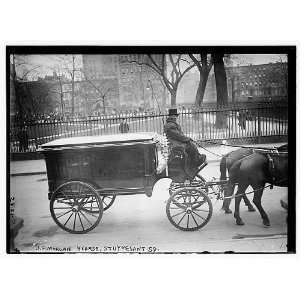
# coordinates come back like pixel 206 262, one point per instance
pixel 136 223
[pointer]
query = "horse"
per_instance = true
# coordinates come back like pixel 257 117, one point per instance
pixel 225 164
pixel 256 170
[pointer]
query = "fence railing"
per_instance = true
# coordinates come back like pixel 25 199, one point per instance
pixel 230 122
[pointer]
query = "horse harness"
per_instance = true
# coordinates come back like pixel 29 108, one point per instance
pixel 271 165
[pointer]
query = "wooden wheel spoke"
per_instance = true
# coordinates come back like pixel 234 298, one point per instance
pixel 188 201
pixel 88 212
pixel 66 203
pixel 80 221
pixel 182 212
pixel 90 201
pixel 179 205
pixel 197 204
pixel 184 197
pixel 199 216
pixel 75 220
pixel 85 217
pixel 68 218
pixel 195 220
pixel 181 219
pixel 62 207
pixel 64 214
pixel 203 210
pixel 78 199
pixel 196 197
pixel 104 201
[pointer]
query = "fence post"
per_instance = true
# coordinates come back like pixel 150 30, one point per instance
pixel 258 126
pixel 201 115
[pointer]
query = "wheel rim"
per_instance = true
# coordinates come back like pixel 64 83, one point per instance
pixel 108 201
pixel 189 209
pixel 76 207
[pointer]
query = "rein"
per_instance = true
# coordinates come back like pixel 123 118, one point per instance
pixel 259 149
pixel 262 188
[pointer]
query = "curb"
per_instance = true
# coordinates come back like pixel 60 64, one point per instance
pixel 28 173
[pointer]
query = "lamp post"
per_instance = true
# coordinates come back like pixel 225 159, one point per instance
pixel 148 87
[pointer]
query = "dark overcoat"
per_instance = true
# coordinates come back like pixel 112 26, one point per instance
pixel 177 138
pixel 174 134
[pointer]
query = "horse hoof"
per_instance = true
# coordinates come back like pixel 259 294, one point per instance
pixel 251 209
pixel 266 223
pixel 239 222
pixel 228 211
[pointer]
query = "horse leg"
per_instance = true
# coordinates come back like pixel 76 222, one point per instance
pixel 241 190
pixel 248 203
pixel 227 198
pixel 257 201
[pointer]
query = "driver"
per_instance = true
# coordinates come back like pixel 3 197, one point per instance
pixel 176 138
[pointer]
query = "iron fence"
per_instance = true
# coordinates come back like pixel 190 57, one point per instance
pixel 207 123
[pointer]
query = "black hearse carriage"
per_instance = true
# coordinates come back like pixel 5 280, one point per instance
pixel 85 174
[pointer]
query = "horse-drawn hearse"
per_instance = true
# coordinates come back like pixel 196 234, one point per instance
pixel 85 174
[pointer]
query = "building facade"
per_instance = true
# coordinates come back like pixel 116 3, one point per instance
pixel 244 83
pixel 258 82
pixel 132 85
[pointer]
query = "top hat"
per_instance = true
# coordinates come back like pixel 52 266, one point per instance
pixel 173 112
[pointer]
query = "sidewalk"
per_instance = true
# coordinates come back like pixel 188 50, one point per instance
pixel 38 167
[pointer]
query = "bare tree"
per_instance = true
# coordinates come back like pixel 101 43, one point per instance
pixel 58 86
pixel 67 67
pixel 36 98
pixel 170 67
pixel 20 69
pixel 204 65
pixel 103 90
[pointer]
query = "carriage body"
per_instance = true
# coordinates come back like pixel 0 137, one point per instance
pixel 85 174
pixel 113 164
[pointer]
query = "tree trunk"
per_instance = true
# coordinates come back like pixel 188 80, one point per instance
pixel 201 88
pixel 173 98
pixel 221 87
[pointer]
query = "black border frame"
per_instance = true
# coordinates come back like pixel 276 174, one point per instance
pixel 81 49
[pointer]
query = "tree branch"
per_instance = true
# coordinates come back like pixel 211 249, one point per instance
pixel 196 62
pixel 174 70
pixel 185 71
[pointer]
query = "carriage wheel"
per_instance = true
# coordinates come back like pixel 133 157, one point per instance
pixel 198 180
pixel 107 201
pixel 76 207
pixel 189 209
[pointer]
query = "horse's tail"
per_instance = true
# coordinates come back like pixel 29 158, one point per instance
pixel 223 167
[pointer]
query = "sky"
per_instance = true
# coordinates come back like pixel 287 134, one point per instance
pixel 48 63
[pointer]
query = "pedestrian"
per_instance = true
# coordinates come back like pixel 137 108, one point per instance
pixel 23 139
pixel 242 119
pixel 123 127
pixel 177 139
